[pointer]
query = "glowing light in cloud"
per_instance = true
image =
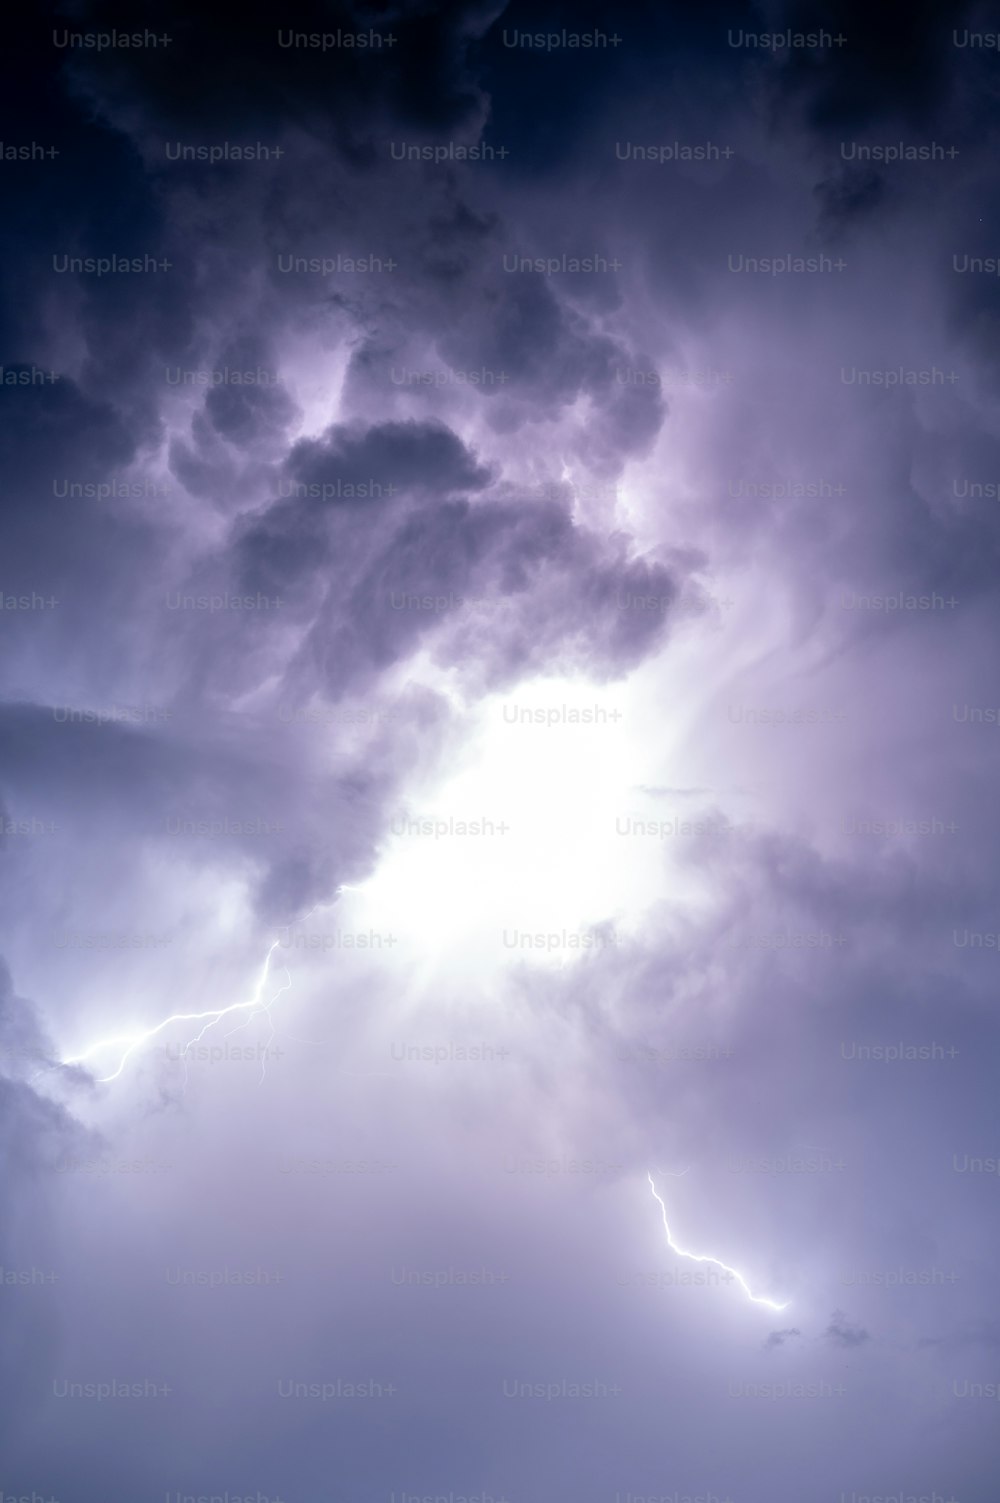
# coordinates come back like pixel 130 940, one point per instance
pixel 516 833
pixel 757 1299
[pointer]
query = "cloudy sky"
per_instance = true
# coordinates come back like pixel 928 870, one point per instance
pixel 499 735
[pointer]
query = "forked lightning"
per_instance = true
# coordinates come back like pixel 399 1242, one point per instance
pixel 133 1041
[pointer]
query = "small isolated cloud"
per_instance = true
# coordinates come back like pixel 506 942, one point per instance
pixel 778 1338
pixel 843 1334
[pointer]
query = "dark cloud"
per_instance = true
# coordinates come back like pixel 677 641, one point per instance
pixel 842 1334
pixel 778 1338
pixel 411 456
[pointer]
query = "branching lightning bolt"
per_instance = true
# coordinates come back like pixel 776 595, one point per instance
pixel 757 1299
pixel 253 1007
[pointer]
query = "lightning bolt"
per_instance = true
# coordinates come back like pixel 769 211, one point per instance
pixel 757 1299
pixel 254 1007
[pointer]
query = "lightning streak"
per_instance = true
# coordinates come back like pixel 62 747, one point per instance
pixel 757 1299
pixel 134 1041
